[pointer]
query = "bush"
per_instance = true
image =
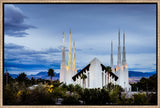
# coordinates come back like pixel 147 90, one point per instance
pixel 78 88
pixel 70 100
pixel 152 99
pixel 37 96
pixel 9 95
pixel 104 96
pixel 95 96
pixel 139 99
pixel 126 101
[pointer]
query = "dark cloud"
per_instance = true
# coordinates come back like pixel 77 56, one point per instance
pixel 13 46
pixel 16 56
pixel 14 22
pixel 21 50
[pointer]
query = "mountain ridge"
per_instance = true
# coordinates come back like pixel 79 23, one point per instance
pixel 44 75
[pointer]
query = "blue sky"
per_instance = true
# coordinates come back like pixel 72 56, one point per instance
pixel 33 35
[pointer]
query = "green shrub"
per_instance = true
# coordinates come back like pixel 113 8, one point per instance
pixel 139 99
pixel 70 100
pixel 9 95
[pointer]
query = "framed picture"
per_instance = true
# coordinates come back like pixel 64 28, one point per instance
pixel 79 54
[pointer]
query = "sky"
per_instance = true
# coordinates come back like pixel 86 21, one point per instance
pixel 33 35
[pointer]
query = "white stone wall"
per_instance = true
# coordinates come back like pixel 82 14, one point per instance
pixel 123 78
pixel 95 74
pixel 62 75
pixel 68 77
pixel 95 79
pixel 103 78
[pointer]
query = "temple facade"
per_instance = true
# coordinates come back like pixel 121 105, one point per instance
pixel 96 74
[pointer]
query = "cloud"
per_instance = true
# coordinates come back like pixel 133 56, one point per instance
pixel 92 41
pixel 14 22
pixel 20 58
pixel 13 46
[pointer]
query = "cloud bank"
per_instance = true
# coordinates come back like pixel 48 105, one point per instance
pixel 14 22
pixel 17 58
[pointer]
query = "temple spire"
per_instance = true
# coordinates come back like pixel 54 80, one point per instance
pixel 112 66
pixel 63 64
pixel 111 54
pixel 119 50
pixel 63 52
pixel 70 52
pixel 74 59
pixel 124 50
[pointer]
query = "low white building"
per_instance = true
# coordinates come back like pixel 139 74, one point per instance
pixel 97 75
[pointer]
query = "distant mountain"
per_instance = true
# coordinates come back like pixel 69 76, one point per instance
pixel 44 75
pixel 12 75
pixel 135 76
pixel 140 74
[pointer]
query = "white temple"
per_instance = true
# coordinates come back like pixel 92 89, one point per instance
pixel 96 73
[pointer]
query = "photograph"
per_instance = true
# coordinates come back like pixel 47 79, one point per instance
pixel 65 54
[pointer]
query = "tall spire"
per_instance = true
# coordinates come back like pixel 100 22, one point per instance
pixel 111 54
pixel 74 61
pixel 124 50
pixel 70 52
pixel 119 50
pixel 63 53
pixel 112 66
pixel 63 64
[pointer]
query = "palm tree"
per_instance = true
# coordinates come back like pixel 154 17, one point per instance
pixel 51 73
pixel 108 68
pixel 84 80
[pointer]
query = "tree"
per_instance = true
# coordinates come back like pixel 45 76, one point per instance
pixel 146 84
pixel 70 100
pixel 108 68
pixel 9 80
pixel 104 96
pixel 22 78
pixel 9 95
pixel 139 99
pixel 71 87
pixel 56 83
pixel 64 86
pixel 110 86
pixel 33 81
pixel 84 80
pixel 51 73
pixel 78 88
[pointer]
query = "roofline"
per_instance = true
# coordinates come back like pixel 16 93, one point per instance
pixel 87 68
pixel 111 73
pixel 81 72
